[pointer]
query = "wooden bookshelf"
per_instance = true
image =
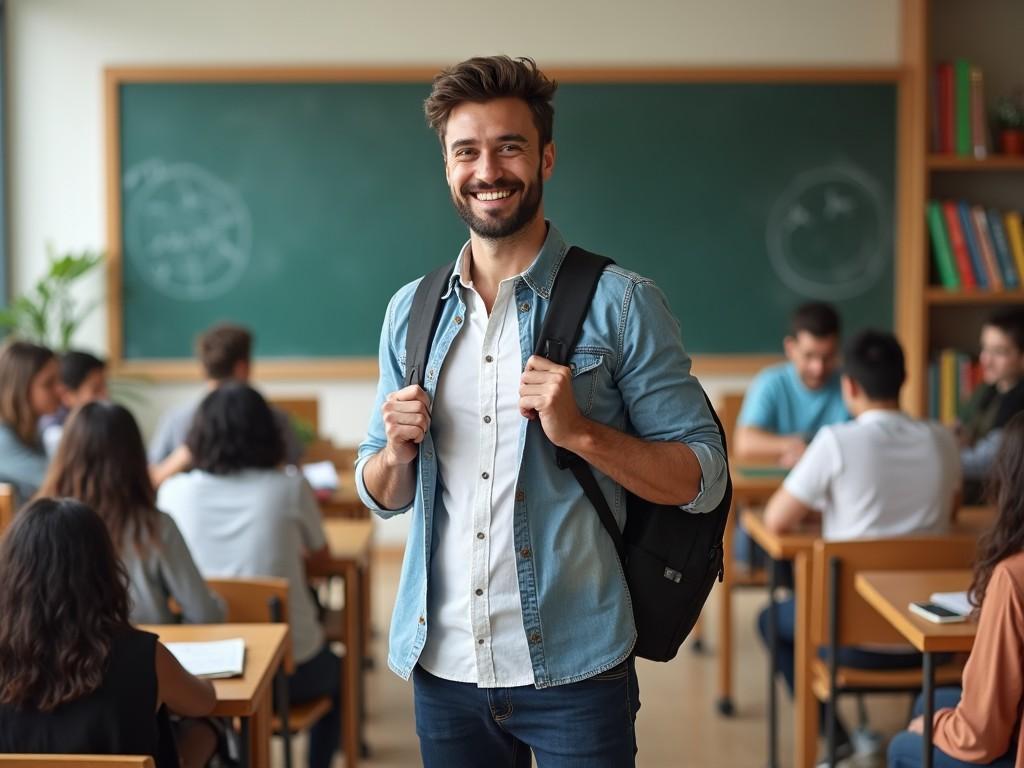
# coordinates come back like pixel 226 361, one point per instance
pixel 936 295
pixel 991 163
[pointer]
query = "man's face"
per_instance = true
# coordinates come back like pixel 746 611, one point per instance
pixel 1001 361
pixel 814 357
pixel 93 388
pixel 495 166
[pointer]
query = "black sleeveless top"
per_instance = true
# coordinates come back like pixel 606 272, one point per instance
pixel 119 717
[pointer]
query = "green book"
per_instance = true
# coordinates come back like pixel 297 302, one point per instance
pixel 941 249
pixel 962 107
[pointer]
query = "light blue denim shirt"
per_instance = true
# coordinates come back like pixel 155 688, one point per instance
pixel 630 372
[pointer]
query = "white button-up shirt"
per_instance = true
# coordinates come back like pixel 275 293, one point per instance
pixel 475 632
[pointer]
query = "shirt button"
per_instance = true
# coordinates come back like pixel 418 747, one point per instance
pixel 479 592
pixel 489 359
pixel 524 307
pixel 520 495
pixel 525 551
pixel 480 641
pixel 479 535
pixel 485 475
pixel 535 637
pixel 422 620
pixel 487 419
pixel 458 320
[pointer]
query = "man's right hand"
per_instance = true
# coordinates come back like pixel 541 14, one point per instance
pixel 406 416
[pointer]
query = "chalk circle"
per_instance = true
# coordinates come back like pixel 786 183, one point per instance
pixel 827 236
pixel 187 232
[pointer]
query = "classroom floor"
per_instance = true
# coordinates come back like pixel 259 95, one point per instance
pixel 677 727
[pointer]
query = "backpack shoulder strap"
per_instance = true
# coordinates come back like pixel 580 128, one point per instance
pixel 423 318
pixel 574 288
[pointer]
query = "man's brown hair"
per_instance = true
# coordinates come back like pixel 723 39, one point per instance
pixel 221 348
pixel 485 78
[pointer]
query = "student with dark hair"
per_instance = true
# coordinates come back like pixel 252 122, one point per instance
pixel 980 723
pixel 102 462
pixel 83 378
pixel 225 353
pixel 996 401
pixel 243 514
pixel 883 474
pixel 29 390
pixel 75 677
pixel 788 403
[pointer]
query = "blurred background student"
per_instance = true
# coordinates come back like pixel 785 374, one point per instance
pixel 29 390
pixel 83 379
pixel 75 677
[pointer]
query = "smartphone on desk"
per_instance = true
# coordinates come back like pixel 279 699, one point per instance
pixel 936 613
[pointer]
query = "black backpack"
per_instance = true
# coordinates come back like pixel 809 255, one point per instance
pixel 671 558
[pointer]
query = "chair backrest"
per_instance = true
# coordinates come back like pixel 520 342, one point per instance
pixel 858 623
pixel 6 506
pixel 76 761
pixel 255 601
pixel 729 413
pixel 306 409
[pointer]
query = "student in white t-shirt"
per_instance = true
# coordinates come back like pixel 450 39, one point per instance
pixel 881 475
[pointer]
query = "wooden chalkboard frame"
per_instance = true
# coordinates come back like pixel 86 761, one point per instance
pixel 366 368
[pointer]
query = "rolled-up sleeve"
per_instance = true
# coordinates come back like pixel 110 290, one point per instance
pixel 663 399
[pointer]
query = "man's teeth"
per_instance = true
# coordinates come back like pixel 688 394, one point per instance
pixel 499 195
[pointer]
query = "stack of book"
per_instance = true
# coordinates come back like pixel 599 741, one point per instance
pixel 975 247
pixel 952 379
pixel 959 122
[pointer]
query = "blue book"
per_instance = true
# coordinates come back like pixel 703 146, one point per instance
pixel 933 391
pixel 1002 247
pixel 973 246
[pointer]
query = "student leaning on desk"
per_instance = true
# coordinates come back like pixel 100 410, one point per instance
pixel 883 474
pixel 980 723
pixel 75 676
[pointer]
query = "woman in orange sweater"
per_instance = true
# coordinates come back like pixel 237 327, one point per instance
pixel 980 724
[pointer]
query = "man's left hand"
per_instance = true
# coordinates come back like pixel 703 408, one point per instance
pixel 916 725
pixel 545 391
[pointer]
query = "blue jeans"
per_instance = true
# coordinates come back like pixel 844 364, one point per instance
pixel 320 676
pixel 906 747
pixel 588 724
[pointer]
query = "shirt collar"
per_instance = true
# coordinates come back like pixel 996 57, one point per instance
pixel 881 414
pixel 540 275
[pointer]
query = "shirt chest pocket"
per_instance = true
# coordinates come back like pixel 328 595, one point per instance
pixel 587 367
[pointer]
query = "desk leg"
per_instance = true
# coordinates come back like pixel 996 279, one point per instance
pixel 244 743
pixel 929 708
pixel 725 705
pixel 805 720
pixel 260 734
pixel 773 664
pixel 351 705
pixel 367 623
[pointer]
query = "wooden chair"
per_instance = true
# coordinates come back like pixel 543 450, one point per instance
pixel 266 600
pixel 76 761
pixel 840 617
pixel 6 506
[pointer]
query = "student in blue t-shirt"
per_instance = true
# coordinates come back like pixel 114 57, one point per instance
pixel 788 403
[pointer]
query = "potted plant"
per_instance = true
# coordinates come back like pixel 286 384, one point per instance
pixel 1010 125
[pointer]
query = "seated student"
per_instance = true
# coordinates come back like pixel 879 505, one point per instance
pixel 242 514
pixel 996 401
pixel 788 403
pixel 883 474
pixel 75 677
pixel 102 462
pixel 83 379
pixel 980 724
pixel 225 352
pixel 29 390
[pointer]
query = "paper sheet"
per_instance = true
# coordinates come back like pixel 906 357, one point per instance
pixel 952 601
pixel 217 658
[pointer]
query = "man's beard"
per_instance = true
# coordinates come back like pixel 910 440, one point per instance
pixel 497 228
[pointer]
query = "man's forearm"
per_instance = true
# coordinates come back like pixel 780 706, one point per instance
pixel 392 485
pixel 755 443
pixel 659 471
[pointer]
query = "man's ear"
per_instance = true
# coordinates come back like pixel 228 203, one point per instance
pixel 547 160
pixel 851 389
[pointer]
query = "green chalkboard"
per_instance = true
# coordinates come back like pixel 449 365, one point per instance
pixel 299 208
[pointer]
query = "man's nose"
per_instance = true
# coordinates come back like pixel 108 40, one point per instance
pixel 488 170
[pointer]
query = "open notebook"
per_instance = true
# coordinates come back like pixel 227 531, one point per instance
pixel 953 601
pixel 216 658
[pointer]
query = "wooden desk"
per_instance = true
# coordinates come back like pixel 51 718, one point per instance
pixel 248 697
pixel 889 593
pixel 349 542
pixel 344 502
pixel 752 486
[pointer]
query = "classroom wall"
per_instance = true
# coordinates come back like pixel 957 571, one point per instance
pixel 58 48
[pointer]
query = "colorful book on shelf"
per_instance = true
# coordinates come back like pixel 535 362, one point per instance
pixel 979 120
pixel 958 243
pixel 947 386
pixel 988 253
pixel 933 390
pixel 941 249
pixel 962 106
pixel 1011 277
pixel 1015 234
pixel 944 108
pixel 973 247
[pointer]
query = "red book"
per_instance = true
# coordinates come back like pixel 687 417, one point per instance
pixel 945 111
pixel 959 244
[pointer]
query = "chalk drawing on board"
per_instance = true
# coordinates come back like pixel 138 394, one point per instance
pixel 828 236
pixel 187 232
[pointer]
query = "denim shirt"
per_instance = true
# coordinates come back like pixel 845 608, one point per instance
pixel 629 372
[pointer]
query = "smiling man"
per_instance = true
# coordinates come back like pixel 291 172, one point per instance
pixel 512 616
